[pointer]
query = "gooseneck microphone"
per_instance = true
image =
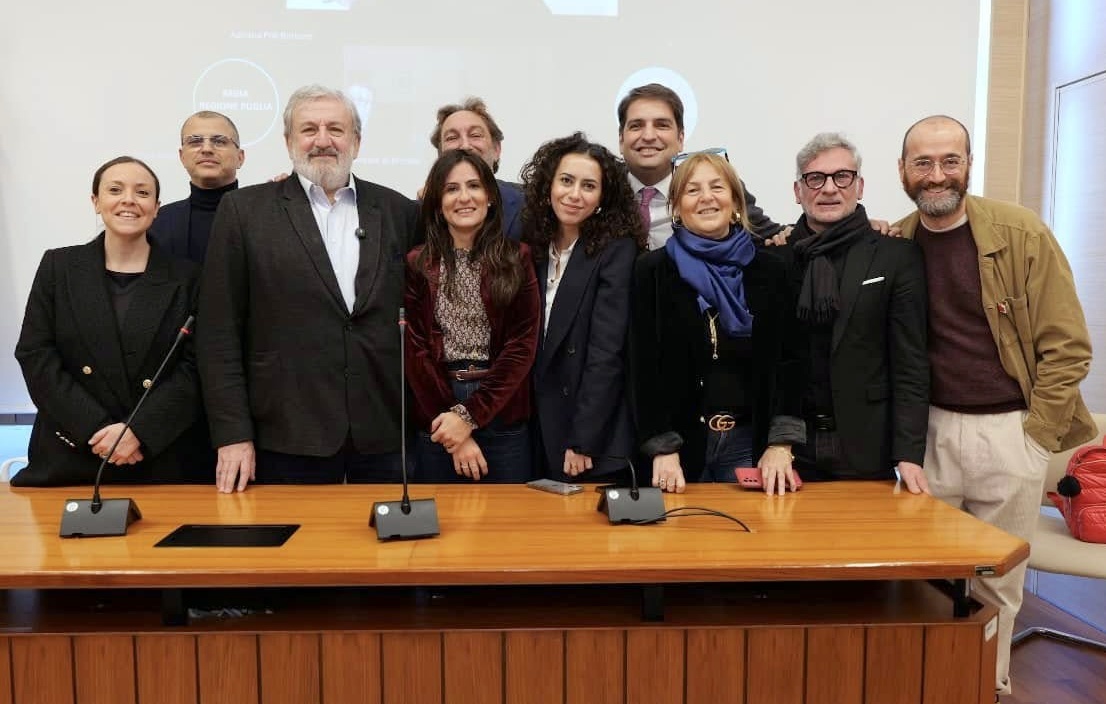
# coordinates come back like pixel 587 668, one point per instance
pixel 405 503
pixel 97 518
pixel 632 504
pixel 404 519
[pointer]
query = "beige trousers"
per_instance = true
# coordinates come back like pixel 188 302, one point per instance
pixel 987 465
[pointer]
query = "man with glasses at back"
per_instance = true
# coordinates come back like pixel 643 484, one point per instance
pixel 1008 347
pixel 210 152
pixel 860 320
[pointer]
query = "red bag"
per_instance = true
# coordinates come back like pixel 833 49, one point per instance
pixel 1081 495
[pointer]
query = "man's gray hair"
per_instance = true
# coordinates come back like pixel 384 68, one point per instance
pixel 313 92
pixel 823 142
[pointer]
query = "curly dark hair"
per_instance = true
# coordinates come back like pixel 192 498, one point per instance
pixel 617 215
pixel 498 256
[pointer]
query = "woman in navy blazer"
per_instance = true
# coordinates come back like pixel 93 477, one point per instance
pixel 584 232
pixel 100 319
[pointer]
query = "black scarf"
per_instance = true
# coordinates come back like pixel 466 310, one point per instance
pixel 819 297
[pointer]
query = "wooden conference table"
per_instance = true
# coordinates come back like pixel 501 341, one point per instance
pixel 527 597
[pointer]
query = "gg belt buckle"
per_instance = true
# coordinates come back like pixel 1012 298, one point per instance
pixel 721 422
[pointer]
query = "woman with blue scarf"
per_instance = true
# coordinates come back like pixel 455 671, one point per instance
pixel 709 368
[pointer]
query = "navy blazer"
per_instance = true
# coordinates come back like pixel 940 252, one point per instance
pixel 580 373
pixel 170 229
pixel 510 194
pixel 84 373
pixel 283 362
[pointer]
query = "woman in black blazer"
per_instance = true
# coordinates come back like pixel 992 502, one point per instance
pixel 100 318
pixel 709 364
pixel 584 233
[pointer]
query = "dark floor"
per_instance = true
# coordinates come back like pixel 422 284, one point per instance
pixel 1046 671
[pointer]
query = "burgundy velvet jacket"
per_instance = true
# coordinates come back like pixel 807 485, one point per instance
pixel 505 392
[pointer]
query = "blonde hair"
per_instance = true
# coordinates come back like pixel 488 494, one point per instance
pixel 683 174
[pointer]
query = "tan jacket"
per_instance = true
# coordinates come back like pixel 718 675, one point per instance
pixel 1035 317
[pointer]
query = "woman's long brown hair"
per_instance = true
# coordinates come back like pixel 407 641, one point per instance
pixel 498 256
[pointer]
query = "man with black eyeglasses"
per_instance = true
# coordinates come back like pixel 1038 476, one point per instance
pixel 861 320
pixel 1008 347
pixel 211 153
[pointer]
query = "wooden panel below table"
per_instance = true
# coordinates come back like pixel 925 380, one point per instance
pixel 663 665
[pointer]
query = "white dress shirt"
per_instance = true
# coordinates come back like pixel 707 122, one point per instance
pixel 338 223
pixel 558 264
pixel 660 221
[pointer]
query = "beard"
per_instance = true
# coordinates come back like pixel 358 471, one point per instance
pixel 937 205
pixel 324 174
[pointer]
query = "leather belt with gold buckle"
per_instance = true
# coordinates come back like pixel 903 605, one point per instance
pixel 721 422
pixel 471 374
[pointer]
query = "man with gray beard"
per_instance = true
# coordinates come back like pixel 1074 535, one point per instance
pixel 997 411
pixel 298 344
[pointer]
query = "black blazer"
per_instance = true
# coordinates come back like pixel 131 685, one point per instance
pixel 670 350
pixel 282 361
pixel 83 373
pixel 580 372
pixel 879 366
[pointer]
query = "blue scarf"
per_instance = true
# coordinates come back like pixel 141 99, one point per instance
pixel 714 269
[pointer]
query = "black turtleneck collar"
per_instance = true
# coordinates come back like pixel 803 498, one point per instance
pixel 208 198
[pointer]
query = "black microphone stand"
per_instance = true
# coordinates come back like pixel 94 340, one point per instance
pixel 404 519
pixel 97 518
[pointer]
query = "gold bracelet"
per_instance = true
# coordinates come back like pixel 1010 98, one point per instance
pixel 781 447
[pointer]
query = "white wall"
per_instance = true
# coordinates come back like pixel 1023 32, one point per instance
pixel 82 82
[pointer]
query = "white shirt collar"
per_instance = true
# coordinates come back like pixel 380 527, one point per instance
pixel 308 185
pixel 661 186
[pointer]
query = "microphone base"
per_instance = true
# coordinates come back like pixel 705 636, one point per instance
pixel 113 518
pixel 620 506
pixel 392 523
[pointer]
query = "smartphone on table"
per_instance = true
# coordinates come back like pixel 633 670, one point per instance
pixel 555 487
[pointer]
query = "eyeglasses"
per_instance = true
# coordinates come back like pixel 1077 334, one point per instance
pixel 218 141
pixel 816 179
pixel 684 156
pixel 949 165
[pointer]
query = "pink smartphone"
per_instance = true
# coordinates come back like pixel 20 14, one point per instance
pixel 749 478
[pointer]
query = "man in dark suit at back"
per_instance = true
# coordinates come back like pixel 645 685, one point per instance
pixel 650 133
pixel 861 318
pixel 211 153
pixel 469 126
pixel 298 347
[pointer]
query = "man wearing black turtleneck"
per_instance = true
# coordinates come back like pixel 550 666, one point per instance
pixel 210 152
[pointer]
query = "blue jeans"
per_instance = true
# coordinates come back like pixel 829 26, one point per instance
pixel 506 449
pixel 727 450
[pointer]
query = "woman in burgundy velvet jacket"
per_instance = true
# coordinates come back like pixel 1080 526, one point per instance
pixel 473 314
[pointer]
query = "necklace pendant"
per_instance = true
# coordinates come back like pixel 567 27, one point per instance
pixel 714 356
